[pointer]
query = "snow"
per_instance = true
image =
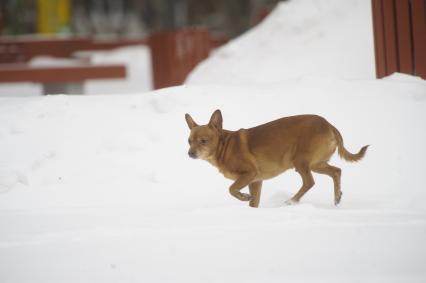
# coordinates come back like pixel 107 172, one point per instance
pixel 137 60
pixel 100 188
pixel 328 38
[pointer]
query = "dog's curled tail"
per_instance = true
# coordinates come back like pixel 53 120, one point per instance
pixel 343 151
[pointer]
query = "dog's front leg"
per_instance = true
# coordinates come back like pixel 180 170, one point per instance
pixel 255 189
pixel 242 181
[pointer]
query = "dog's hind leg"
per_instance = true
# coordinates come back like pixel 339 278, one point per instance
pixel 255 189
pixel 333 172
pixel 308 181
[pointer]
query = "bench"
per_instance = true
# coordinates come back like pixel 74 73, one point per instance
pixel 174 53
pixel 16 52
pixel 60 79
pixel 24 48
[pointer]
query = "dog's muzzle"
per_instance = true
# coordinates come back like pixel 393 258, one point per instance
pixel 192 154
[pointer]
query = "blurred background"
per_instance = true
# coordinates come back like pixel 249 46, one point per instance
pixel 132 18
pixel 113 46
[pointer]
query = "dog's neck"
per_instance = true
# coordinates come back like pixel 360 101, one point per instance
pixel 219 156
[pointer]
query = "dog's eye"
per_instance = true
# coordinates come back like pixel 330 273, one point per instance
pixel 189 141
pixel 204 141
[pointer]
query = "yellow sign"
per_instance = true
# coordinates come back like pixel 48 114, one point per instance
pixel 53 16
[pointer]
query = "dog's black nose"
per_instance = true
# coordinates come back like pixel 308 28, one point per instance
pixel 192 154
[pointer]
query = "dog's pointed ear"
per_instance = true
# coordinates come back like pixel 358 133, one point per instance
pixel 216 120
pixel 191 123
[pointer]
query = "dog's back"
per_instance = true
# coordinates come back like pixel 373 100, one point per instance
pixel 278 144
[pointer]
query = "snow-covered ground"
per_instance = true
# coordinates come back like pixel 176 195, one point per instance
pixel 100 188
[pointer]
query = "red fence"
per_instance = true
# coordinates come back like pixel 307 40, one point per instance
pixel 400 37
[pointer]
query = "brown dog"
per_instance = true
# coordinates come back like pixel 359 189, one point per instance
pixel 249 156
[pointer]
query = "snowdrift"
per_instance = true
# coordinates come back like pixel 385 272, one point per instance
pixel 328 38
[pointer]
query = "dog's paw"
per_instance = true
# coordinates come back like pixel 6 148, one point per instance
pixel 338 198
pixel 291 202
pixel 244 197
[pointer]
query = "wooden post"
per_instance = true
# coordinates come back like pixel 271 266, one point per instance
pixel 399 37
pixel 419 36
pixel 379 39
pixel 176 53
pixel 405 40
